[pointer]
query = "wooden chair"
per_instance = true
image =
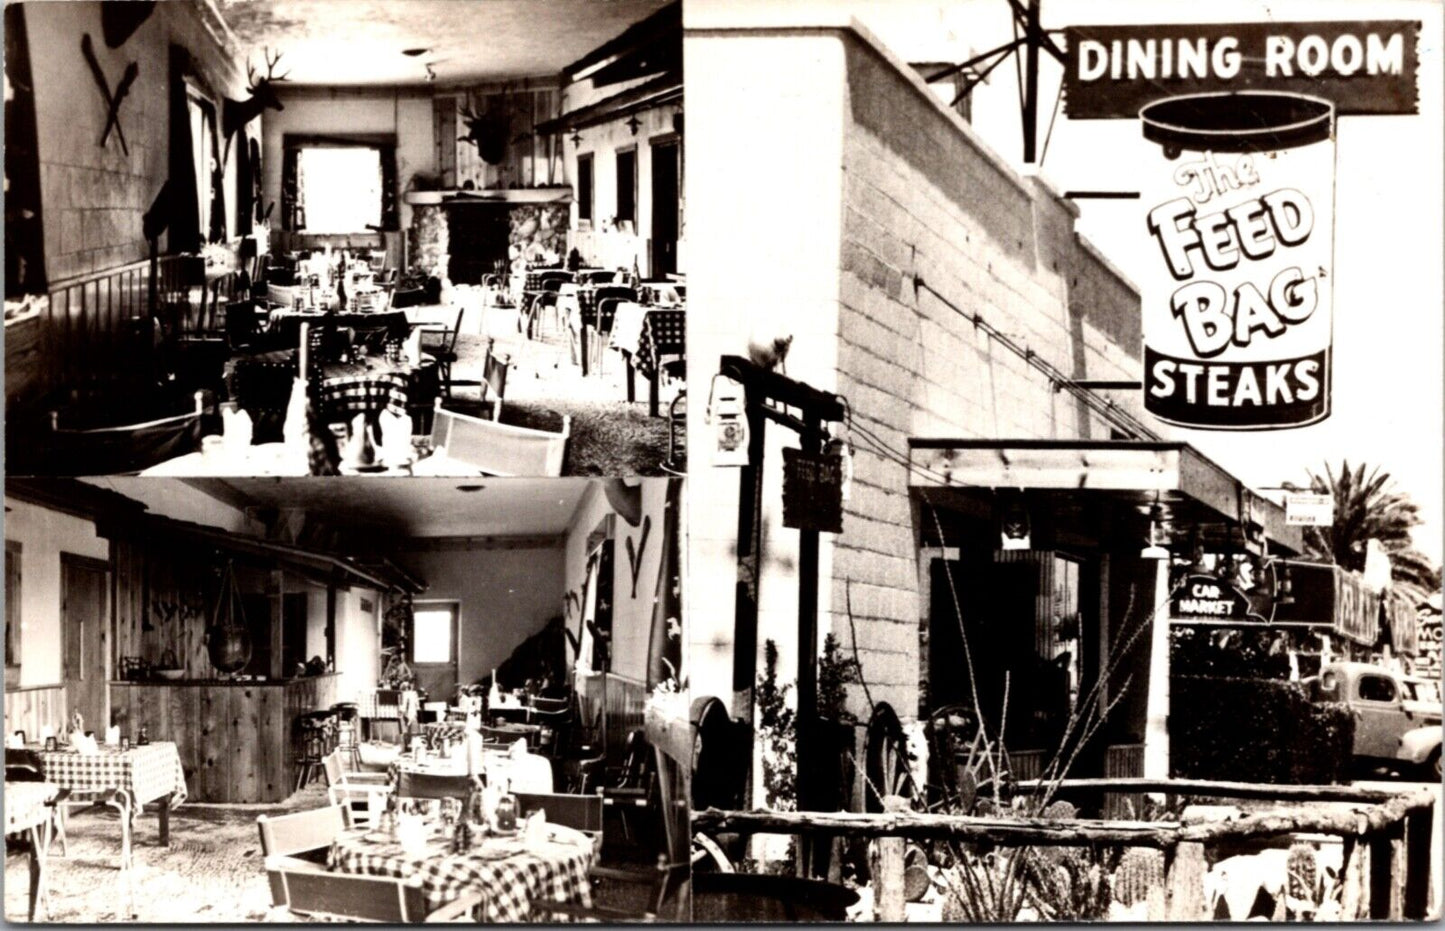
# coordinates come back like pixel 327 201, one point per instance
pixel 311 891
pixel 583 812
pixel 359 793
pixel 432 785
pixel 443 348
pixel 123 449
pixel 24 766
pixel 306 834
pixel 497 448
pixel 494 381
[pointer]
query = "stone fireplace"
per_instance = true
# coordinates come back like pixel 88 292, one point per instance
pixel 466 233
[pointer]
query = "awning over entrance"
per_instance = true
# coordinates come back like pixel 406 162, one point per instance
pixel 1202 500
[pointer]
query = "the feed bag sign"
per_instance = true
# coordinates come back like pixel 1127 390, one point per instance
pixel 1237 215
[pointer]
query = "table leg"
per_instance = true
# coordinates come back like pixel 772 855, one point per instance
pixel 165 819
pixel 631 379
pixel 584 351
pixel 39 843
pixel 652 391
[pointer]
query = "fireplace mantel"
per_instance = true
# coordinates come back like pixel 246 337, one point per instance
pixel 452 198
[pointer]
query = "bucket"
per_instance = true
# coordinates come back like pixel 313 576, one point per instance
pixel 1239 201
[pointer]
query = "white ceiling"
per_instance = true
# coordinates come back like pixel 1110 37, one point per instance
pixel 388 507
pixel 360 42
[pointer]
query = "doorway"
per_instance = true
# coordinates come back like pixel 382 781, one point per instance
pixel 84 619
pixel 666 206
pixel 433 641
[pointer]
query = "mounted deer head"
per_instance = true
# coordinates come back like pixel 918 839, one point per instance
pixel 237 113
pixel 488 130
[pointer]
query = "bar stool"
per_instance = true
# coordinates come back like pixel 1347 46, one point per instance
pixel 347 714
pixel 312 743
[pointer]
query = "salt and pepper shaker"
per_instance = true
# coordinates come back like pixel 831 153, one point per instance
pixel 144 737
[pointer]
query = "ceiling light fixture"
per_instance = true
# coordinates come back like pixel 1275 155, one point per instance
pixel 414 52
pixel 470 488
pixel 633 124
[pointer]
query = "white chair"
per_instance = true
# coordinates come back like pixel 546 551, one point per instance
pixel 497 448
pixel 359 793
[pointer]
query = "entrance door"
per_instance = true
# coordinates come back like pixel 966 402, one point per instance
pixel 84 620
pixel 434 649
pixel 666 187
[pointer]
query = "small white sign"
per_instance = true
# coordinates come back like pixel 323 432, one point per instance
pixel 1308 510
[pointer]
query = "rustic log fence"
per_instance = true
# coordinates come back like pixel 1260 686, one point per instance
pixel 1386 847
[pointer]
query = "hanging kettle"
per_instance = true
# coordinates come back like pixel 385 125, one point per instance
pixel 228 640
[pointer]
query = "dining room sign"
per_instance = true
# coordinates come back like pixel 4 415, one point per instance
pixel 1238 203
pixel 1370 67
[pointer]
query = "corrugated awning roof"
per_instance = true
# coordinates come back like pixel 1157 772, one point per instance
pixel 665 88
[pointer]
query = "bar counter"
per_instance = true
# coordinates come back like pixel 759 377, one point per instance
pixel 234 738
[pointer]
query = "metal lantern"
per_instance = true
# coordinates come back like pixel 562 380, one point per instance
pixel 727 414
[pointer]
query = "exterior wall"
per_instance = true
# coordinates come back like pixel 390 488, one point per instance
pixel 506 594
pixel 868 183
pixel 405 113
pixel 43 535
pixel 92 197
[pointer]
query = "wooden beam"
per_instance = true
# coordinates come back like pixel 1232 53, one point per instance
pixel 1217 789
pixel 1184 871
pixel 765 383
pixel 1419 825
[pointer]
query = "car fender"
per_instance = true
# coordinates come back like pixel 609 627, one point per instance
pixel 1417 745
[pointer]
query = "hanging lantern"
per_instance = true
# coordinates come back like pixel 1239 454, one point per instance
pixel 1154 547
pixel 1013 524
pixel 727 415
pixel 228 643
pixel 842 447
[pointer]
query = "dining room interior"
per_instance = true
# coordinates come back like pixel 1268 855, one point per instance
pixel 297 699
pixel 422 220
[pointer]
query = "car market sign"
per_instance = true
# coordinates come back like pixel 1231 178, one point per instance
pixel 1205 597
pixel 1361 67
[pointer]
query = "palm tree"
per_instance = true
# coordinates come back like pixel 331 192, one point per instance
pixel 1367 507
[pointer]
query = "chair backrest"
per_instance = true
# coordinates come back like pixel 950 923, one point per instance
pixel 288 835
pixel 432 785
pixel 621 292
pixel 451 336
pixel 22 772
pixel 494 376
pixel 497 448
pixel 310 890
pixel 583 812
pixel 126 448
pixel 331 762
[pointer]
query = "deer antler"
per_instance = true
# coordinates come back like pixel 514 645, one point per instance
pixel 271 63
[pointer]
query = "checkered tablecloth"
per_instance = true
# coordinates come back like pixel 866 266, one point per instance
pixel 145 773
pixel 25 804
pixel 344 396
pixel 664 333
pixel 548 872
pixel 444 730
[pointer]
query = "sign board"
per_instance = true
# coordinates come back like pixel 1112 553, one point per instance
pixel 1205 597
pixel 1238 214
pixel 1332 599
pixel 812 491
pixel 1302 509
pixel 1111 72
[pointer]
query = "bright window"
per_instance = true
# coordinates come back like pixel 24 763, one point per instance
pixel 341 188
pixel 432 629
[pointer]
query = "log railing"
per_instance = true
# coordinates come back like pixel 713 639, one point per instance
pixel 1386 869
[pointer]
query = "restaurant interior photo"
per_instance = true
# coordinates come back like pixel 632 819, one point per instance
pixel 290 237
pixel 296 699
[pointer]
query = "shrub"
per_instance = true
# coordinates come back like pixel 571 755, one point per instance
pixel 1256 730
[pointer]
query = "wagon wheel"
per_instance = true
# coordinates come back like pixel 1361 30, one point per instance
pixel 886 760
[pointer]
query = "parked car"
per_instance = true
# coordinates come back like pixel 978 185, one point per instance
pixel 1397 718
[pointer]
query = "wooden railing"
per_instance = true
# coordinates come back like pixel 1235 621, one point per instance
pixel 1386 847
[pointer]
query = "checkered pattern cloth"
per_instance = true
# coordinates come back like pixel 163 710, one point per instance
pixel 370 705
pixel 550 872
pixel 664 333
pixel 444 730
pixel 145 773
pixel 344 396
pixel 25 804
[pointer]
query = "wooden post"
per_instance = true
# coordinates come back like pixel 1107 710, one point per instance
pixel 1184 869
pixel 1354 897
pixel 1418 827
pixel 888 885
pixel 1384 893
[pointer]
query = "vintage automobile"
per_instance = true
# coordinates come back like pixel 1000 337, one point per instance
pixel 1397 718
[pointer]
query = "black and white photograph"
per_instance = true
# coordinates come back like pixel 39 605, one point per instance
pixel 1054 531
pixel 413 237
pixel 294 699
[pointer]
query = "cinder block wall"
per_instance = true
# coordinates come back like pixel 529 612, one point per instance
pixel 924 199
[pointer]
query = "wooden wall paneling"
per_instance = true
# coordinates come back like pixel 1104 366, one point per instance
pixel 271 741
pixel 32 708
pixel 210 775
pixel 183 715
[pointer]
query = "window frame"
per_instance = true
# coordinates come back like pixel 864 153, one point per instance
pixel 631 217
pixel 586 201
pixel 14 624
pixel 454 648
pixel 1370 678
pixel 387 148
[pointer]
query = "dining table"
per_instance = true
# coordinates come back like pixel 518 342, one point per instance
pixel 29 810
pixel 646 334
pixel 512 872
pixel 130 779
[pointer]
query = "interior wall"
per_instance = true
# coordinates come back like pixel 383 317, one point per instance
pixel 358 640
pixel 43 534
pixel 632 604
pixel 405 113
pixel 93 198
pixel 506 593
